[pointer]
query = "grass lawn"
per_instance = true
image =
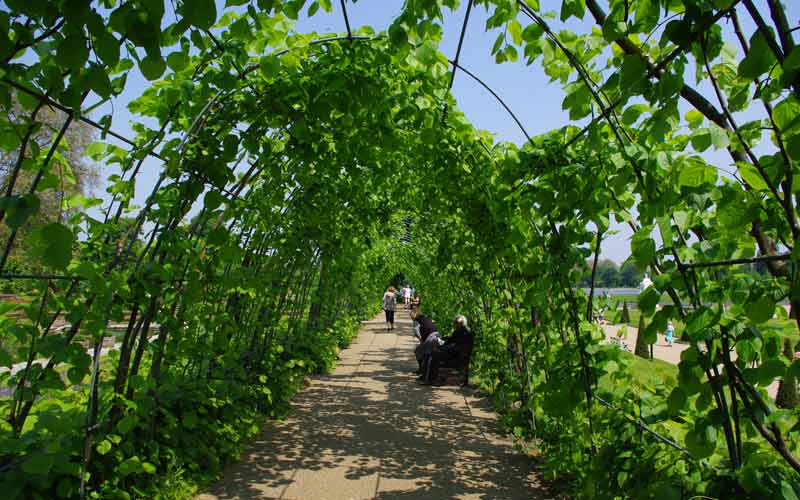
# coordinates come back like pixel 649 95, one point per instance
pixel 784 327
pixel 645 373
pixel 652 370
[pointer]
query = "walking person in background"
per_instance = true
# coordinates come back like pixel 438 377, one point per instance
pixel 415 302
pixel 389 305
pixel 407 296
pixel 670 333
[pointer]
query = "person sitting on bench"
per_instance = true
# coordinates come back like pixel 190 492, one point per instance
pixel 427 333
pixel 453 351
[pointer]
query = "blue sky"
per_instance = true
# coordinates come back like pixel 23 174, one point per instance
pixel 526 89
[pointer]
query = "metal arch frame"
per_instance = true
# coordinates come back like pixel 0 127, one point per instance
pixel 222 95
pixel 320 41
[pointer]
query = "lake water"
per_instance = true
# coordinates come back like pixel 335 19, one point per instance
pixel 614 291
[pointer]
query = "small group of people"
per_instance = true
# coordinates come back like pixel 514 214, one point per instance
pixel 435 351
pixel 389 303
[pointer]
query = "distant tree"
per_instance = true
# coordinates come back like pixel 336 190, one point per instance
pixel 67 173
pixel 625 316
pixel 606 277
pixel 629 276
pixel 607 273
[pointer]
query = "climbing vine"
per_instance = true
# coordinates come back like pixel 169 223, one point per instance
pixel 287 161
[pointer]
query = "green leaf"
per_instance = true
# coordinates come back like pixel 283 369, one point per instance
pixel 701 140
pixel 793 147
pixel 751 176
pixel 643 248
pixel 759 60
pixel 126 424
pixel 38 463
pixel 397 34
pixel 269 66
pixel 218 236
pixel 19 209
pixel 78 200
pixel 694 117
pixel 648 300
pixel 633 112
pixel 510 53
pixel 632 72
pixel 98 81
pixel 326 5
pixel 200 13
pixel 719 137
pixel 132 465
pixel 787 115
pixel 426 54
pixel 107 48
pixel 532 33
pixel 73 51
pixel 152 67
pixel 103 447
pixel 699 321
pixel 665 228
pixel 681 220
pixel 702 439
pixel 313 8
pixel 678 32
pixel 177 61
pixel 614 29
pixel 696 172
pixel 212 200
pixel 760 310
pixel 646 15
pixel 515 30
pixel 787 492
pixel 575 8
pixel 53 244
pixel 677 400
pixel 230 146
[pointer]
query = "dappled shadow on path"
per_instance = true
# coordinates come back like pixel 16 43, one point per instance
pixel 369 431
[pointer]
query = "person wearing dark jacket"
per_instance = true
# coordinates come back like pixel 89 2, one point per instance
pixel 453 348
pixel 427 333
pixel 423 325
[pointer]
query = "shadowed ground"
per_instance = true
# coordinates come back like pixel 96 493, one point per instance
pixel 369 431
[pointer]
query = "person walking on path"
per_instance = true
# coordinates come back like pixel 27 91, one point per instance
pixel 407 296
pixel 389 305
pixel 670 333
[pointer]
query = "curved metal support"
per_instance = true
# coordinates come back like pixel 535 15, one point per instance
pixel 499 99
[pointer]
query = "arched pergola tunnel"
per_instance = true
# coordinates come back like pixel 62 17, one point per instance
pixel 274 225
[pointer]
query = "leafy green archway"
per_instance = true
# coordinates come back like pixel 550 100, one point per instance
pixel 289 162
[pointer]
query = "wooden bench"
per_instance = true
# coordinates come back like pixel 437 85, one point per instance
pixel 459 365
